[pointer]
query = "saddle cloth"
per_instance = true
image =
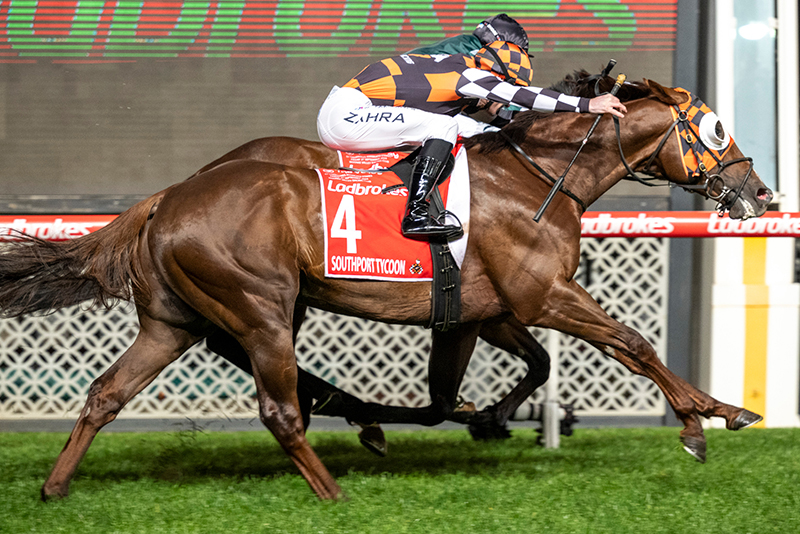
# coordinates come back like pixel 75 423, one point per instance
pixel 362 225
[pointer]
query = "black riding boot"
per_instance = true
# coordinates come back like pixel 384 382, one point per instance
pixel 417 223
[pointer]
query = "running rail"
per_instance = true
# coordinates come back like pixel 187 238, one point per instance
pixel 593 224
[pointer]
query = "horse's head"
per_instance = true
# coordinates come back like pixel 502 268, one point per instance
pixel 699 155
pixel 696 153
pixel 683 142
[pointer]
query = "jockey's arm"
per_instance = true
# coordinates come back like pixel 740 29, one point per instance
pixel 476 83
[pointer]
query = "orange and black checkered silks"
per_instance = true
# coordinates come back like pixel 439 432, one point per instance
pixel 691 146
pixel 423 82
pixel 447 84
pixel 517 63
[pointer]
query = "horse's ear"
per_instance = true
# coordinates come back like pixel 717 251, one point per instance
pixel 667 95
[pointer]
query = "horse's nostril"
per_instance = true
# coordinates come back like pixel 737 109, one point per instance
pixel 764 194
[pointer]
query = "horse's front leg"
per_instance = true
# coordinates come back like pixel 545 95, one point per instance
pixel 736 418
pixel 570 309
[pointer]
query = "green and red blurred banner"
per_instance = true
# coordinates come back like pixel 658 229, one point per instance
pixel 282 28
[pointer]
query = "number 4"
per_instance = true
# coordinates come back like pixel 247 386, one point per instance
pixel 347 214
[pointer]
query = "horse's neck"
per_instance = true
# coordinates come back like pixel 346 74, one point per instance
pixel 599 166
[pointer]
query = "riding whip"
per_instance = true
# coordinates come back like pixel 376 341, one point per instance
pixel 560 182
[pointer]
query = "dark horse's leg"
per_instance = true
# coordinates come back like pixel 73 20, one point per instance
pixel 509 335
pixel 513 337
pixel 155 347
pixel 573 311
pixel 450 354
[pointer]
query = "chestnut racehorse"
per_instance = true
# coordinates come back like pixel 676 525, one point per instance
pixel 507 334
pixel 239 247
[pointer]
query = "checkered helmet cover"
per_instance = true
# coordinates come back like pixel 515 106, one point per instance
pixel 517 63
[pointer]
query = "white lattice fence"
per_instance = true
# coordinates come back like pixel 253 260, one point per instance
pixel 47 363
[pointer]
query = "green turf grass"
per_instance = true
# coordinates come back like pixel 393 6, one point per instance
pixel 609 480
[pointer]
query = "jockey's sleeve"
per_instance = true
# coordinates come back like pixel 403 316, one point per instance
pixel 476 83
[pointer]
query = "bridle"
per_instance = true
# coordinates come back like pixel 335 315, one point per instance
pixel 701 181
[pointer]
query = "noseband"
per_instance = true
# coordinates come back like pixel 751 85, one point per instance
pixel 700 181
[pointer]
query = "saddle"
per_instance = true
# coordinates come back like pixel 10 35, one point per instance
pixel 446 284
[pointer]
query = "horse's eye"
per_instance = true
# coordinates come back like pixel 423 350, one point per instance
pixel 719 132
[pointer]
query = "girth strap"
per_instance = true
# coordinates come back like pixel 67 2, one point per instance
pixel 446 293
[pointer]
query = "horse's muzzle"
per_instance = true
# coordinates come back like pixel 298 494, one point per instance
pixel 745 206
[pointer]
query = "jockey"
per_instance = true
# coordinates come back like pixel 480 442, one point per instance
pixel 498 28
pixel 413 99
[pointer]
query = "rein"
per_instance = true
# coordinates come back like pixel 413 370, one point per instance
pixel 543 172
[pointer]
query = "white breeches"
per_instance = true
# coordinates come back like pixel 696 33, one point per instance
pixel 348 121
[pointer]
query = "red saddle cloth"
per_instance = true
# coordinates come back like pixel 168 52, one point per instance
pixel 362 225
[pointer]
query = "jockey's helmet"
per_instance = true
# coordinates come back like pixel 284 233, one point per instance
pixel 502 28
pixel 506 61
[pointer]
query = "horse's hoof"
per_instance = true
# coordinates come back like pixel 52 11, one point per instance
pixel 48 495
pixel 466 413
pixel 696 447
pixel 569 419
pixel 371 437
pixel 744 419
pixel 466 417
pixel 489 431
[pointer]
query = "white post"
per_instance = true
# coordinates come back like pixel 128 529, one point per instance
pixel 789 106
pixel 755 302
pixel 551 418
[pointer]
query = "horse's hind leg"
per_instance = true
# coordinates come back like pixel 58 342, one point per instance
pixel 156 345
pixel 226 346
pixel 269 345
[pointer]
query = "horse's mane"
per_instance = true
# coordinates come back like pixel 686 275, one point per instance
pixel 579 83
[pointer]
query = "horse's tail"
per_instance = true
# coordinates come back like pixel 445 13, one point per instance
pixel 102 267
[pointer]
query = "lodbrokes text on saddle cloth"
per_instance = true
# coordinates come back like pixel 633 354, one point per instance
pixel 369 161
pixel 362 225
